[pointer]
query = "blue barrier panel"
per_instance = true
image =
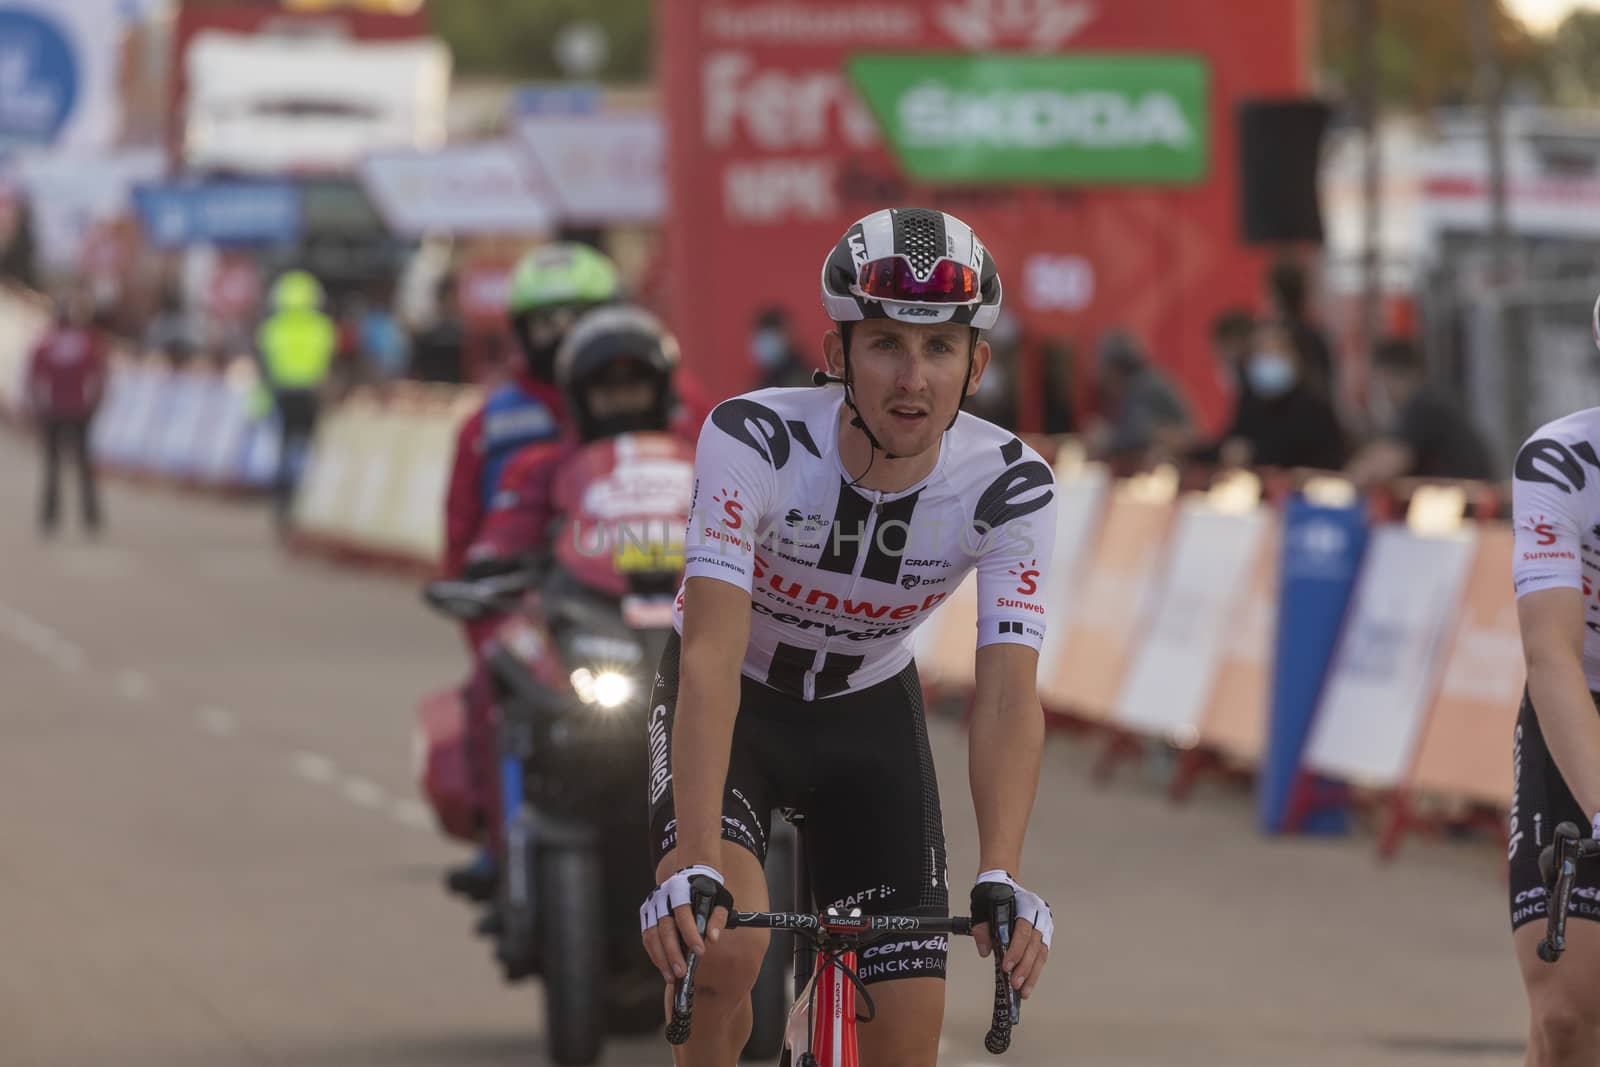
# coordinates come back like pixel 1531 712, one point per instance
pixel 1322 549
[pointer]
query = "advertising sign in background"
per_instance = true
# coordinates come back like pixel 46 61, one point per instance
pixel 772 153
pixel 1056 120
pixel 58 73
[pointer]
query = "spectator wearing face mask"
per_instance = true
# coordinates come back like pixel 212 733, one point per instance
pixel 1424 432
pixel 1285 423
pixel 776 356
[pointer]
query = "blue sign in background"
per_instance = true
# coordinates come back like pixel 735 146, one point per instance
pixel 40 79
pixel 1322 550
pixel 556 100
pixel 219 212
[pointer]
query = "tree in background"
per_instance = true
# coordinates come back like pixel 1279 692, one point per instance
pixel 1569 55
pixel 516 38
pixel 1425 55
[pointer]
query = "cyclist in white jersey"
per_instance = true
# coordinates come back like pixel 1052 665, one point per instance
pixel 1556 748
pixel 828 523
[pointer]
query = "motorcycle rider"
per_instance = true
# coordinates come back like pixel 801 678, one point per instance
pixel 615 373
pixel 551 287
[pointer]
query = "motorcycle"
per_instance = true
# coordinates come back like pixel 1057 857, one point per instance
pixel 574 647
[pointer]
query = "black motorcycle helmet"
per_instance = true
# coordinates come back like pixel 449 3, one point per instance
pixel 617 346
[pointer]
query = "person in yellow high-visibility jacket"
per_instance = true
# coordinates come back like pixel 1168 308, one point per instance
pixel 296 345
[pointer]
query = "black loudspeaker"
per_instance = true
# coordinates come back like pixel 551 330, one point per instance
pixel 1280 147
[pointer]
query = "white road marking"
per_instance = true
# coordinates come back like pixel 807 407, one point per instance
pixel 412 814
pixel 42 640
pixel 131 685
pixel 314 768
pixel 362 793
pixel 219 722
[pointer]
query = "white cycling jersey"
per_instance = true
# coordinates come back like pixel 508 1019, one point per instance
pixel 839 577
pixel 1556 509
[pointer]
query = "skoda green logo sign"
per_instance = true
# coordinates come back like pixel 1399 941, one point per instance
pixel 1064 119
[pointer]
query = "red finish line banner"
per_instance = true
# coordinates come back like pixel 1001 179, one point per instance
pixel 1091 143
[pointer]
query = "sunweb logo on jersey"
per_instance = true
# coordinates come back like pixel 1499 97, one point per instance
pixel 730 519
pixel 732 508
pixel 1027 576
pixel 1542 527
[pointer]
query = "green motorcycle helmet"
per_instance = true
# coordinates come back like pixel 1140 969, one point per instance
pixel 551 287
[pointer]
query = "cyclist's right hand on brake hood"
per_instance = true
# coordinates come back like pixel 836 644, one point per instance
pixel 668 922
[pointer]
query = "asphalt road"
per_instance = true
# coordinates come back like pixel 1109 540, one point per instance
pixel 212 852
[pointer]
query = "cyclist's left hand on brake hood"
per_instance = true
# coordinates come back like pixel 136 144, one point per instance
pixel 1030 933
pixel 667 921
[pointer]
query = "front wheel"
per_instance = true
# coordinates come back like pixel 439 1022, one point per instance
pixel 769 1000
pixel 570 912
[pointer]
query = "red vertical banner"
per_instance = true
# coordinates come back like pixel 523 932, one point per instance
pixel 773 149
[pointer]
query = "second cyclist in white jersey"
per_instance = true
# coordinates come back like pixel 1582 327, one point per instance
pixel 828 523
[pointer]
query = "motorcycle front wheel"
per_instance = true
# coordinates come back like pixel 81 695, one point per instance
pixel 571 913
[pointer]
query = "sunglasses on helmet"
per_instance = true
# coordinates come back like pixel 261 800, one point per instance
pixel 893 279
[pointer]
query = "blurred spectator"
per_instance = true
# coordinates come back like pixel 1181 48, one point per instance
pixel 1287 289
pixel 436 350
pixel 169 333
pixel 1060 393
pixel 382 343
pixel 17 260
pixel 1144 414
pixel 296 344
pixel 996 398
pixel 1425 434
pixel 1279 422
pixel 775 353
pixel 66 378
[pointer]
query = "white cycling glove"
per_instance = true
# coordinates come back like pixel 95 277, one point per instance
pixel 1594 825
pixel 1030 906
pixel 676 891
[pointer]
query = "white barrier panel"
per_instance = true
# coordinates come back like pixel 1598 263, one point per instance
pixel 1081 498
pixel 176 440
pixel 323 494
pixel 142 386
pixel 22 323
pixel 114 408
pixel 1383 675
pixel 945 645
pixel 418 509
pixel 217 459
pixel 1169 684
pixel 1463 751
pixel 1085 675
pixel 1235 722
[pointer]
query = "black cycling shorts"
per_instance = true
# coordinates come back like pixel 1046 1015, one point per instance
pixel 858 768
pixel 1541 801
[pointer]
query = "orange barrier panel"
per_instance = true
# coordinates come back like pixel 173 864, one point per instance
pixel 1465 750
pixel 1103 627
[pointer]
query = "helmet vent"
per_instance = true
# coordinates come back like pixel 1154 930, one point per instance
pixel 919 236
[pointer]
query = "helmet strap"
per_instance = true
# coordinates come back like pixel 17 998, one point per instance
pixel 857 421
pixel 972 351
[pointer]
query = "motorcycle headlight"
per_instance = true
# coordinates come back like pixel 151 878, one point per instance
pixel 608 689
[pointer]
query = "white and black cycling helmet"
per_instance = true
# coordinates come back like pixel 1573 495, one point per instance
pixel 618 343
pixel 914 265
